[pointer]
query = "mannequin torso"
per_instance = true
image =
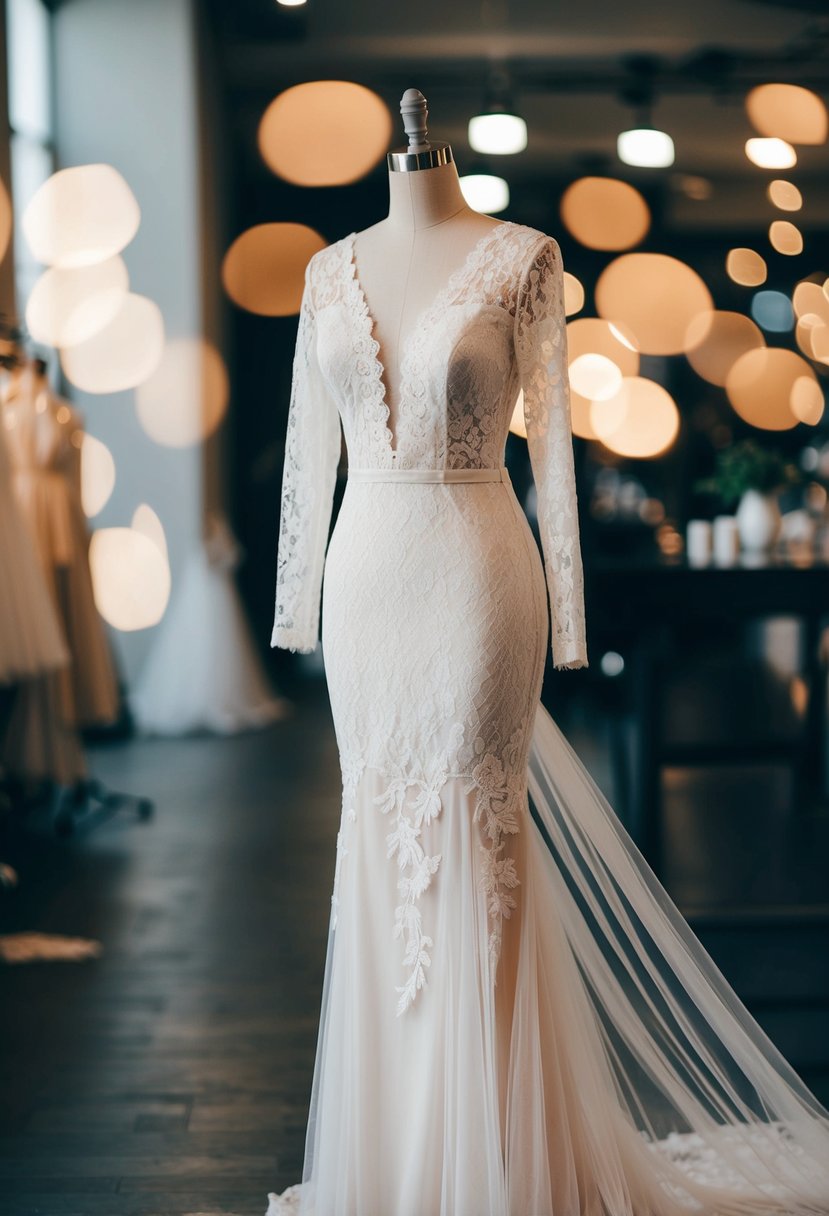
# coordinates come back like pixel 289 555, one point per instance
pixel 404 260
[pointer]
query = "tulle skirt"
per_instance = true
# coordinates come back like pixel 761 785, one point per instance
pixel 203 672
pixel 608 1071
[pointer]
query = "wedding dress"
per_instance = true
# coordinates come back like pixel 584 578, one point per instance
pixel 515 1019
pixel 177 693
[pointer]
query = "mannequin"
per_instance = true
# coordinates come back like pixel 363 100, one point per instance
pixel 403 260
pixel 515 1020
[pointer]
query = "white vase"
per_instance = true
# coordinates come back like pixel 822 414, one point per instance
pixel 758 519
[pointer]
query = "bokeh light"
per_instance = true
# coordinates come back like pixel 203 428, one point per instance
pixel 595 336
pixel 772 310
pixel 324 133
pixel 761 387
pixel 485 192
pixel 497 134
pixel 517 424
pixel 264 269
pixel 785 195
pixel 605 213
pixel 807 400
pixel 595 377
pixel 130 578
pixel 573 294
pixel 746 267
pixel 809 297
pixel 645 147
pixel 655 296
pixel 68 306
pixel 97 474
pixel 716 340
pixel 770 153
pixel 122 354
pixel 80 216
pixel 785 237
pixel 789 112
pixel 146 521
pixel 186 397
pixel 812 336
pixel 641 421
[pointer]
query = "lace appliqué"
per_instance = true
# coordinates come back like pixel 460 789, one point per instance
pixel 413 798
pixel 352 770
pixel 500 800
pixel 312 453
pixel 541 350
pixel 467 434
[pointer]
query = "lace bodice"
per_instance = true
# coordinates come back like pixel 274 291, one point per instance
pixel 496 326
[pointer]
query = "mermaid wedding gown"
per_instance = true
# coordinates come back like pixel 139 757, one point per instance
pixel 515 1019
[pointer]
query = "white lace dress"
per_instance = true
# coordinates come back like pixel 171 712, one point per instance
pixel 463 1068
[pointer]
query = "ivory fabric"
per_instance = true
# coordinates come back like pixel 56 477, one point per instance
pixel 501 1034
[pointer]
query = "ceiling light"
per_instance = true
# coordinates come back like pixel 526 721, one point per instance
pixel 498 134
pixel 498 130
pixel 643 145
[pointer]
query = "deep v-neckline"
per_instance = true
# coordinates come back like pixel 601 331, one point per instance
pixel 421 322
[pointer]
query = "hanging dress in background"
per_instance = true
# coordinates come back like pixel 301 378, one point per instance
pixel 203 672
pixel 45 435
pixel 31 641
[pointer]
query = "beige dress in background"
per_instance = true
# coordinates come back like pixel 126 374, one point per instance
pixel 44 435
pixel 31 641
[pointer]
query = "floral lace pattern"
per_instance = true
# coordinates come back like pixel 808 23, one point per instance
pixel 412 799
pixel 312 452
pixel 541 352
pixel 501 799
pixel 435 600
pixel 488 332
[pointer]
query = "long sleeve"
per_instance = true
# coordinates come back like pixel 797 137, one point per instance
pixel 312 452
pixel 540 339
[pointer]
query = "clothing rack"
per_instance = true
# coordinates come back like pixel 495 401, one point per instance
pixel 88 803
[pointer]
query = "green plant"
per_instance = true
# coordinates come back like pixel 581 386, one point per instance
pixel 748 465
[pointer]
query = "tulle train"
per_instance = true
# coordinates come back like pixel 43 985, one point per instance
pixel 610 1071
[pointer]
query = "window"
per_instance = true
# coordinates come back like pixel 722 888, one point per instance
pixel 29 40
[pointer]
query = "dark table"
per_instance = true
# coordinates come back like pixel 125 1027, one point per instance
pixel 634 604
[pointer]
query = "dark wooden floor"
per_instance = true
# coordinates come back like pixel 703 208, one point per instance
pixel 172 1075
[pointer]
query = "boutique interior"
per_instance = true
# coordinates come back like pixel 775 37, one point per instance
pixel 170 783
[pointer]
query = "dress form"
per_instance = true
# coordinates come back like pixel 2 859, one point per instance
pixel 403 261
pixel 515 1019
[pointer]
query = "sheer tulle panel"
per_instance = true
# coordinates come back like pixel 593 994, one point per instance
pixel 691 1068
pixel 405 1108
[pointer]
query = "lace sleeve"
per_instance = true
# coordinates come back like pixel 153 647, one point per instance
pixel 312 453
pixel 541 354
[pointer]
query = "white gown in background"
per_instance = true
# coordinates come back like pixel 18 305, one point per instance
pixel 515 1019
pixel 203 672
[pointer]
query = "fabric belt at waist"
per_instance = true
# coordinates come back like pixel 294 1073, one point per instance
pixel 425 475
